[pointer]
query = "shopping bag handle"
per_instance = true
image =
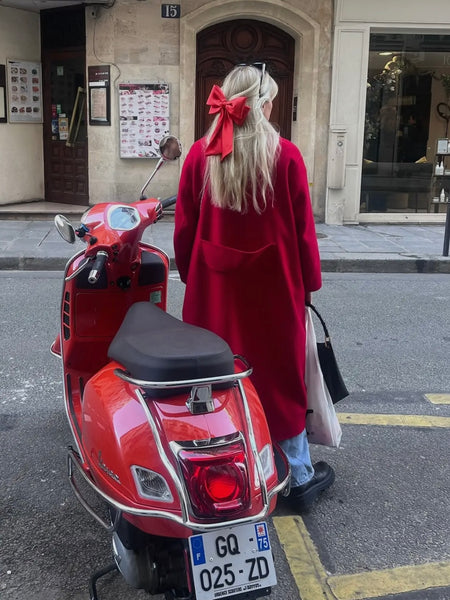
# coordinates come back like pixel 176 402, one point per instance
pixel 325 329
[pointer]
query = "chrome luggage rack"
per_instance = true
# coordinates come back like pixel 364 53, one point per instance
pixel 186 383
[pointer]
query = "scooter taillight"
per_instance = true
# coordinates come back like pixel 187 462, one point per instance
pixel 216 479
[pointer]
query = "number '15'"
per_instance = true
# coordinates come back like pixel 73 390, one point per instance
pixel 170 11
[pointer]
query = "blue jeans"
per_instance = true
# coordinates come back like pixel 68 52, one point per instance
pixel 297 452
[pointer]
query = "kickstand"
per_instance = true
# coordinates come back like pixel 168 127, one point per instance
pixel 96 576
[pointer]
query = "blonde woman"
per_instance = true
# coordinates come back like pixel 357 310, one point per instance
pixel 246 247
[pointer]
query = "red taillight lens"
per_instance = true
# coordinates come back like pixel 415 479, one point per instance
pixel 221 482
pixel 216 479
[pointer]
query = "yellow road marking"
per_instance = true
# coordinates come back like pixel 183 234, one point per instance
pixel 396 420
pixel 399 580
pixel 438 398
pixel 304 562
pixel 314 583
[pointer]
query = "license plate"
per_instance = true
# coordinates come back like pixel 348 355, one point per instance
pixel 231 561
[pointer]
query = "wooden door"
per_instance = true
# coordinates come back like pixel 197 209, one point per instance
pixel 224 45
pixel 65 162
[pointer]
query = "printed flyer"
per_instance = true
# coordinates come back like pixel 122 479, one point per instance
pixel 144 118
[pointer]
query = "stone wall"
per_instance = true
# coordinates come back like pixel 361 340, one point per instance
pixel 21 164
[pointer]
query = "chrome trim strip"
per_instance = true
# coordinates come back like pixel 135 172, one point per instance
pixel 153 247
pixel 251 435
pixel 80 268
pixel 216 442
pixel 168 465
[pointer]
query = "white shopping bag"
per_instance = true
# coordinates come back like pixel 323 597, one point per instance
pixel 322 425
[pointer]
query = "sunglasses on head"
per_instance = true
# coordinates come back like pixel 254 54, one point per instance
pixel 261 66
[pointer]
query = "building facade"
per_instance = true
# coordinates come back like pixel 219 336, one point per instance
pixel 390 64
pixel 362 94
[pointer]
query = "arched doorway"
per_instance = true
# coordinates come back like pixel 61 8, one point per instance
pixel 223 45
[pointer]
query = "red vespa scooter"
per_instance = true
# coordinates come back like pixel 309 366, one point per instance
pixel 169 432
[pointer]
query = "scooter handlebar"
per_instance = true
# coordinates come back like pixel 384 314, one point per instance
pixel 97 267
pixel 168 201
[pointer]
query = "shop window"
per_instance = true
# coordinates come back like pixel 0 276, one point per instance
pixel 407 111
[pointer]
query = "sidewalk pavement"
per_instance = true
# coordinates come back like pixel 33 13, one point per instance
pixel 34 244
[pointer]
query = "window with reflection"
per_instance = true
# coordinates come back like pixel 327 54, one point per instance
pixel 407 112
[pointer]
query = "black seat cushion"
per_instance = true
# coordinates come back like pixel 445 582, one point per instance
pixel 155 346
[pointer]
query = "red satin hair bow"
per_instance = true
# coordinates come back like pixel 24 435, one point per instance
pixel 231 111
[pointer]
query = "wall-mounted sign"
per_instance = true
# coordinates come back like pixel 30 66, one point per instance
pixel 170 11
pixel 24 91
pixel 144 118
pixel 99 95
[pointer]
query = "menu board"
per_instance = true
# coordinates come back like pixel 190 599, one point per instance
pixel 144 118
pixel 99 95
pixel 24 91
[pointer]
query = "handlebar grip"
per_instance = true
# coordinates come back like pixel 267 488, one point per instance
pixel 168 201
pixel 97 267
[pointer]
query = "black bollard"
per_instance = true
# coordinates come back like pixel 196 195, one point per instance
pixel 446 232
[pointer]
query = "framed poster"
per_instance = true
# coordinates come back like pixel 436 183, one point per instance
pixel 2 94
pixel 144 118
pixel 24 81
pixel 99 95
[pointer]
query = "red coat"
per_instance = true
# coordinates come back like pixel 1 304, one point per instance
pixel 246 277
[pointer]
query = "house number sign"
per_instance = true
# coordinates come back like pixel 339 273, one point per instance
pixel 170 11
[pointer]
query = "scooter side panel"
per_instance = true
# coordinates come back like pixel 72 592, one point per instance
pixel 91 315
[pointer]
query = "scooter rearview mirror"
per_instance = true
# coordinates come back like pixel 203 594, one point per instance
pixel 65 229
pixel 170 147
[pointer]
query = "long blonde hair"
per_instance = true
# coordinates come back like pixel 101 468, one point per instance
pixel 247 172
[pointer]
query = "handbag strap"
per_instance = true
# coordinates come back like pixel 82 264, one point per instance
pixel 325 329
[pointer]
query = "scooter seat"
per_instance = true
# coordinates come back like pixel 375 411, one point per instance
pixel 155 346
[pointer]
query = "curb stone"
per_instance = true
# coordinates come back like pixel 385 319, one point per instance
pixel 337 265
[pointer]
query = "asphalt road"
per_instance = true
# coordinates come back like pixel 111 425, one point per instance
pixel 388 508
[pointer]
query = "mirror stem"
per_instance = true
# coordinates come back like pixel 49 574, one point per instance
pixel 160 162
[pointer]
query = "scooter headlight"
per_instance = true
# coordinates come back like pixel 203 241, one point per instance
pixel 151 485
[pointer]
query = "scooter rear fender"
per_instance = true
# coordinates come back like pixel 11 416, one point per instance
pixel 122 428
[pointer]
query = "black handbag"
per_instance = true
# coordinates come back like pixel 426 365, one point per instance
pixel 328 364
